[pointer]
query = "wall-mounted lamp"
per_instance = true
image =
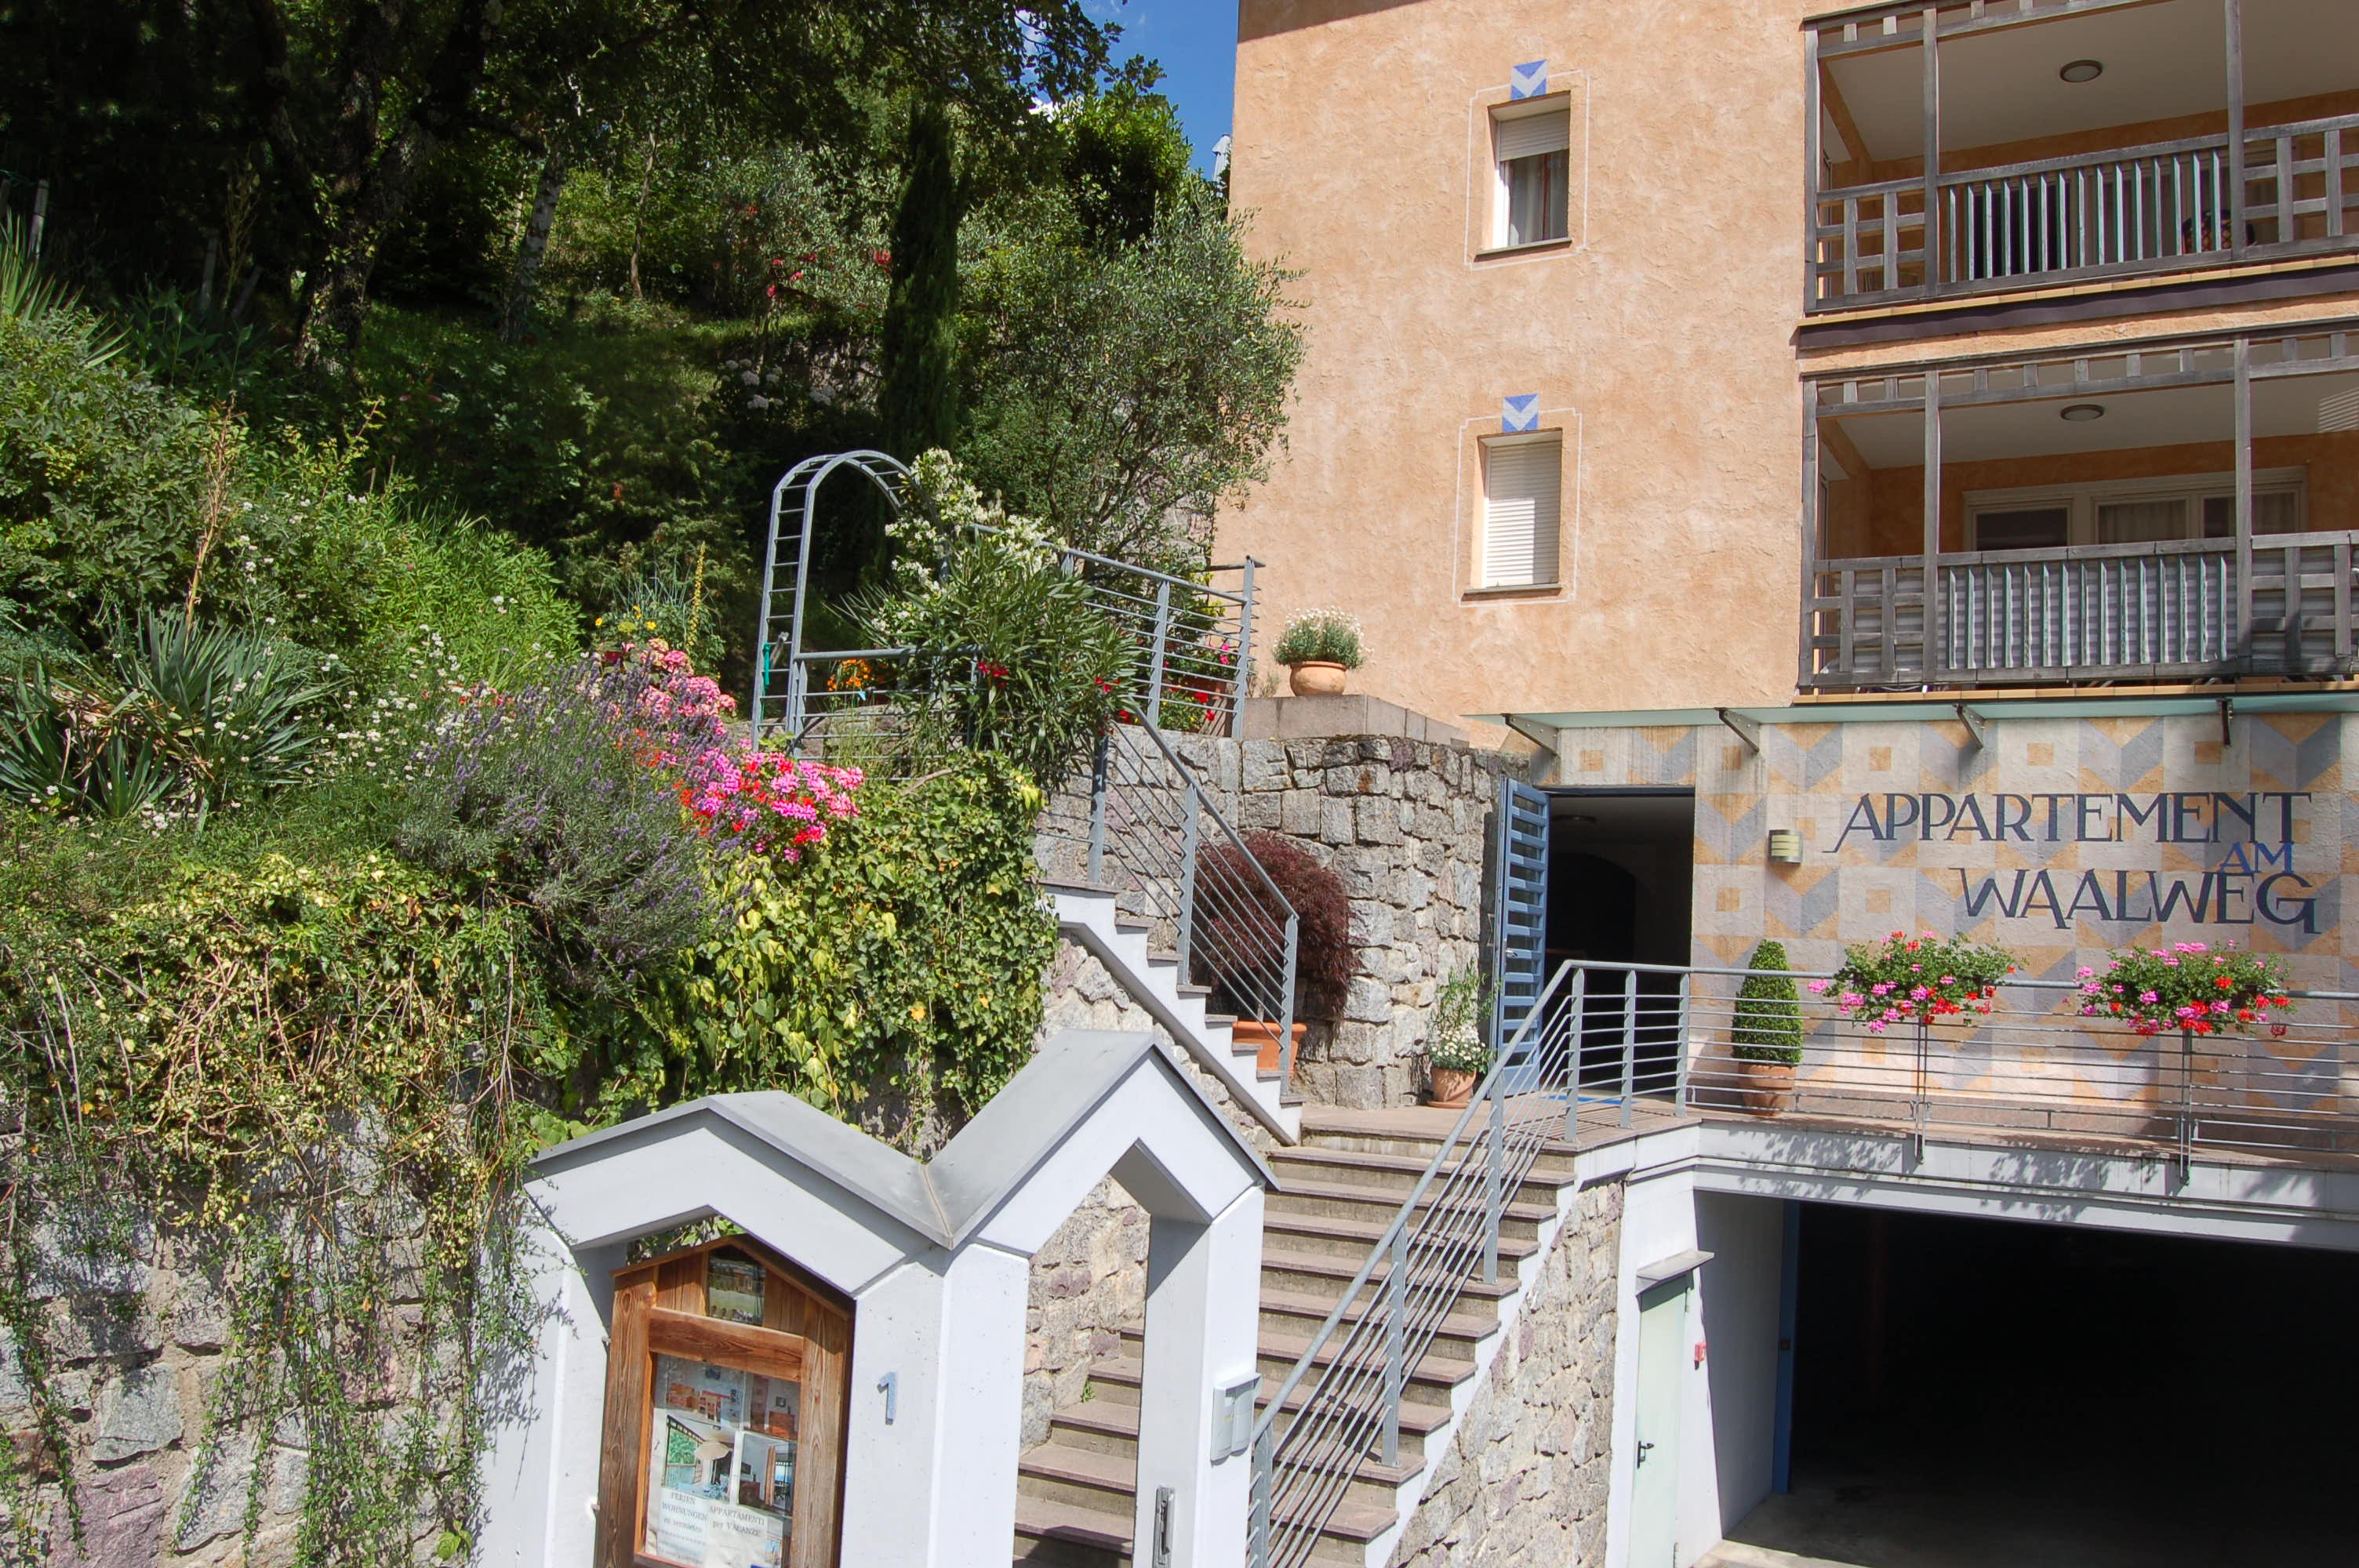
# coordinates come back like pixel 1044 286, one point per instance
pixel 1784 847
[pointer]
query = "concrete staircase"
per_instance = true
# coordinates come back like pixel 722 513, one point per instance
pixel 1088 915
pixel 1341 1186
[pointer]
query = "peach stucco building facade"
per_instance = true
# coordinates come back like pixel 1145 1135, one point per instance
pixel 1361 151
pixel 1684 333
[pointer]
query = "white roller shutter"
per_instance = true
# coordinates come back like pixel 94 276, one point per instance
pixel 1521 484
pixel 1528 136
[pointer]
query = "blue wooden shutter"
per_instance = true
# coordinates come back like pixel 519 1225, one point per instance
pixel 1518 906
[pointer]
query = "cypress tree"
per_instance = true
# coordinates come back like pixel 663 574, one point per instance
pixel 917 404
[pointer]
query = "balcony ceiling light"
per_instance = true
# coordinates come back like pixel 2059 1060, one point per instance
pixel 2081 413
pixel 2083 71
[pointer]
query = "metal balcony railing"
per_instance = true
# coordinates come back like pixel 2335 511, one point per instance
pixel 2157 611
pixel 2154 208
pixel 2034 1064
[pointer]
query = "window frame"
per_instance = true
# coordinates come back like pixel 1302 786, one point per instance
pixel 1496 235
pixel 2082 499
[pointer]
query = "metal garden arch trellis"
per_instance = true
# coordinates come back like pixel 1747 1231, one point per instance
pixel 793 500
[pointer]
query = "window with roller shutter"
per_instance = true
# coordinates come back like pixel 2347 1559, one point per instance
pixel 1523 480
pixel 1533 149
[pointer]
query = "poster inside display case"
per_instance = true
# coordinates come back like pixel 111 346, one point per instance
pixel 736 1366
pixel 721 1466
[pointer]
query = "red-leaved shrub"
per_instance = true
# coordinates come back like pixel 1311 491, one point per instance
pixel 1239 928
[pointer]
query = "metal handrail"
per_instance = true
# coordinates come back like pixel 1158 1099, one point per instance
pixel 1144 830
pixel 1290 920
pixel 1208 654
pixel 1393 1248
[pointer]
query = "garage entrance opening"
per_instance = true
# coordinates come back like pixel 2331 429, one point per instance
pixel 1976 1392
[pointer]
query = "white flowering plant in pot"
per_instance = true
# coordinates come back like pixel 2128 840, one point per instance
pixel 1455 1056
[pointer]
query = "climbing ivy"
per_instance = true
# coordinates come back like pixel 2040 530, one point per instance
pixel 305 1074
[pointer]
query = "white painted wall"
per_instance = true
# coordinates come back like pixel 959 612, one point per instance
pixel 1738 1321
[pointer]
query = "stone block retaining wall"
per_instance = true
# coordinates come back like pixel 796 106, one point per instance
pixel 139 1344
pixel 1406 824
pixel 1524 1481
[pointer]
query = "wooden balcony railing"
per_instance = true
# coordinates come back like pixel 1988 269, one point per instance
pixel 2162 611
pixel 2148 208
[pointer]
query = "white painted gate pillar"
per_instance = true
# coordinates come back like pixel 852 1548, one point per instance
pixel 1203 1307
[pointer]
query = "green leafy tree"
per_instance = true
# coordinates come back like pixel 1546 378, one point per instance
pixel 1119 396
pixel 1127 157
pixel 338 107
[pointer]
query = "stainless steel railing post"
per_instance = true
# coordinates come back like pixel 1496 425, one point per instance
pixel 1396 1333
pixel 1101 766
pixel 1187 837
pixel 1629 1040
pixel 1680 1062
pixel 1285 1005
pixel 1264 1479
pixel 1494 1194
pixel 1155 664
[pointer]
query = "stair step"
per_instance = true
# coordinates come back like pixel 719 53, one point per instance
pixel 1086 889
pixel 1401 1170
pixel 1467 1326
pixel 1104 1537
pixel 1389 1203
pixel 1436 1373
pixel 1062 1533
pixel 1419 1417
pixel 1079 1477
pixel 1353 1244
pixel 1129 928
pixel 1097 1490
pixel 1106 1422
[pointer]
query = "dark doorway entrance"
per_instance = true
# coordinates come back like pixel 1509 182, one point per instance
pixel 1972 1392
pixel 1620 866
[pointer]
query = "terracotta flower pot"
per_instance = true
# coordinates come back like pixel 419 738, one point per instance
pixel 1262 1035
pixel 1451 1089
pixel 1765 1088
pixel 1316 677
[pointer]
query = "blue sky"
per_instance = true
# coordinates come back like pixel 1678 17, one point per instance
pixel 1195 41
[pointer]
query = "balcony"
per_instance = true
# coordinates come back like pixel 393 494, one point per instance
pixel 2180 512
pixel 1991 160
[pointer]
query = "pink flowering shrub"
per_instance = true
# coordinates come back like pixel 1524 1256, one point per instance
pixel 735 793
pixel 2189 986
pixel 1914 979
pixel 767 800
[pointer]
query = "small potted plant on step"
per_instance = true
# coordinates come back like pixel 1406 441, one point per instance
pixel 1318 648
pixel 1766 1031
pixel 1455 1056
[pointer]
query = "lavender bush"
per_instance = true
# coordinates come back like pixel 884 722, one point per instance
pixel 563 799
